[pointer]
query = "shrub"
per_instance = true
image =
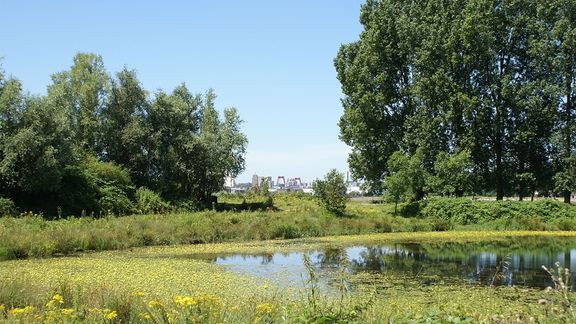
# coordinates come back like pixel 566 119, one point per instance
pixel 566 224
pixel 527 215
pixel 7 207
pixel 439 224
pixel 149 202
pixel 286 231
pixel 331 192
pixel 114 201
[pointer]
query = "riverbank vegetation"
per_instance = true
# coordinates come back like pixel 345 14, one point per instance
pixel 178 286
pixel 292 216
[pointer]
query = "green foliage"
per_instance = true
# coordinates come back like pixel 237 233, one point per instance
pixel 509 214
pixel 407 177
pixel 149 202
pixel 79 192
pixel 286 231
pixel 114 201
pixel 494 79
pixel 264 190
pixel 7 207
pixel 452 174
pixel 78 150
pixel 331 192
pixel 566 180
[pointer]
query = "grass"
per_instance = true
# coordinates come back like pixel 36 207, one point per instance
pixel 165 284
pixel 293 216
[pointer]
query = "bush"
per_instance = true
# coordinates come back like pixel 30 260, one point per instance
pixel 7 207
pixel 527 215
pixel 114 201
pixel 439 224
pixel 149 202
pixel 286 231
pixel 331 192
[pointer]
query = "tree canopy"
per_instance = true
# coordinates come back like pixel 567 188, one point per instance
pixel 93 139
pixel 494 79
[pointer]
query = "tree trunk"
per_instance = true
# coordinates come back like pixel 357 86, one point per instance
pixel 569 126
pixel 498 171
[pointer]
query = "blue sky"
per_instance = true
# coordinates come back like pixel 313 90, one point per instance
pixel 273 60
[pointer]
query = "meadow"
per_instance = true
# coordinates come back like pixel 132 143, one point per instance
pixel 251 218
pixel 159 268
pixel 176 285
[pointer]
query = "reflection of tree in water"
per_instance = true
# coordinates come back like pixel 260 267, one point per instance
pixel 499 263
pixel 331 257
pixel 266 258
pixel 453 262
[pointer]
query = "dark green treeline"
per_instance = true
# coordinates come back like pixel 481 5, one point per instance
pixel 491 79
pixel 94 139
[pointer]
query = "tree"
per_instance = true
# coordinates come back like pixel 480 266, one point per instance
pixel 558 55
pixel 83 91
pixel 76 150
pixel 331 192
pixel 375 76
pixel 452 174
pixel 488 77
pixel 34 156
pixel 124 135
pixel 406 177
pixel 175 151
pixel 192 150
pixel 396 188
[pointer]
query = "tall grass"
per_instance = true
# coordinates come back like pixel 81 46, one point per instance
pixel 294 216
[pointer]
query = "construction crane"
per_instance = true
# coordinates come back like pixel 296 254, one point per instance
pixel 283 184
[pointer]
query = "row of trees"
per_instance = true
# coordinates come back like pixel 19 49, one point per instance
pixel 95 138
pixel 492 78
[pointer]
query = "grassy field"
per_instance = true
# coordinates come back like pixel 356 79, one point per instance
pixel 293 216
pixel 165 285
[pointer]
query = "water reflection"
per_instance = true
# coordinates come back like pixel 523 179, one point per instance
pixel 504 262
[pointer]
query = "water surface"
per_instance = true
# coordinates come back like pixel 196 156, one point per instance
pixel 511 262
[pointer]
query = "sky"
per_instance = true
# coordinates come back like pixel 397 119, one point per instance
pixel 272 60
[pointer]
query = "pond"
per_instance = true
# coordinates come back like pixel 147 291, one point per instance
pixel 508 261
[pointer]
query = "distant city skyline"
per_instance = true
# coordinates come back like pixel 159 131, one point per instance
pixel 273 60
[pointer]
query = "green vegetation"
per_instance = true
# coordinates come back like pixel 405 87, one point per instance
pixel 252 217
pixel 538 215
pixel 331 192
pixel 85 147
pixel 162 285
pixel 494 79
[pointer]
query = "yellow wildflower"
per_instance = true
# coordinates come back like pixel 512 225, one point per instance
pixel 138 294
pixel 58 298
pixel 112 315
pixel 264 308
pixel 145 316
pixel 154 303
pixel 66 311
pixel 17 311
pixel 184 301
pixel 20 311
pixel 2 307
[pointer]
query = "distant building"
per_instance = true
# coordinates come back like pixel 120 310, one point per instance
pixel 255 182
pixel 354 188
pixel 229 182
